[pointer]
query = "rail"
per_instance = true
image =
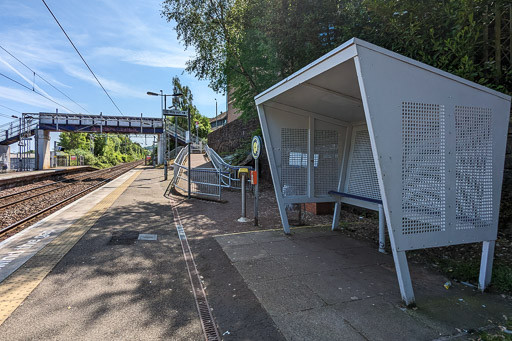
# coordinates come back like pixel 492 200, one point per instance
pixel 118 171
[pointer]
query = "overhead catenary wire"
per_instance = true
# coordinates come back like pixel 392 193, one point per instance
pixel 16 111
pixel 5 115
pixel 76 49
pixel 37 92
pixel 38 75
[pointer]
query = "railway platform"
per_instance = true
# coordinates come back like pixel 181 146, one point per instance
pixel 118 263
pixel 90 277
pixel 15 175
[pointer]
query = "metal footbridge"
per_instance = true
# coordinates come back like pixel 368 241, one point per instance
pixel 26 126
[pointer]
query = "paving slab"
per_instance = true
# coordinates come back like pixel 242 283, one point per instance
pixel 319 285
pixel 286 295
pixel 322 323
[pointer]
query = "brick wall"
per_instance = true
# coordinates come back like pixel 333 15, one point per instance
pixel 231 136
pixel 234 135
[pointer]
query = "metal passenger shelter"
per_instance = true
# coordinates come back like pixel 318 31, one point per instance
pixel 372 126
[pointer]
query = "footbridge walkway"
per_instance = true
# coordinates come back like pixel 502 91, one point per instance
pixel 41 124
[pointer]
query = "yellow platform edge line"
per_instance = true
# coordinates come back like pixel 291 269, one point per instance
pixel 18 286
pixel 267 230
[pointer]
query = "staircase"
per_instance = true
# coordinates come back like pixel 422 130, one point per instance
pixel 11 132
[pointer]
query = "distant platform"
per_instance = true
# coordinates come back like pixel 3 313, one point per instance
pixel 32 175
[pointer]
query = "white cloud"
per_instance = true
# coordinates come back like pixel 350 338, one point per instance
pixel 26 97
pixel 113 86
pixel 146 57
pixel 28 81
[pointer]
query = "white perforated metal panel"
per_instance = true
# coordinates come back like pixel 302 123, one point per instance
pixel 362 176
pixel 473 153
pixel 294 161
pixel 326 161
pixel 423 168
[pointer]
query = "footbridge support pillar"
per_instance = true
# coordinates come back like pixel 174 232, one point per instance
pixel 161 149
pixel 43 149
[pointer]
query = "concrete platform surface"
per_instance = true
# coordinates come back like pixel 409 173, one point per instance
pixel 115 291
pixel 261 285
pixel 320 285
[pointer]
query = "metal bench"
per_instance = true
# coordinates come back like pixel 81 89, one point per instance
pixel 335 220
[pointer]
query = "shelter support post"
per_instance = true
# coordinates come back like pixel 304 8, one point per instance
pixel 273 170
pixel 382 233
pixel 486 264
pixel 336 216
pixel 404 277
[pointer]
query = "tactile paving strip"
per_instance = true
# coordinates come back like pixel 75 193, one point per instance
pixel 15 289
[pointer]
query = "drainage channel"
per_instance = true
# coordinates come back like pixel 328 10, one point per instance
pixel 205 315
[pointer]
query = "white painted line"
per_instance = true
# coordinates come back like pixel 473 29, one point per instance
pixel 19 248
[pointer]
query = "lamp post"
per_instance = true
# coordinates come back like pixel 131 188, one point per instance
pixel 189 153
pixel 164 106
pixel 216 122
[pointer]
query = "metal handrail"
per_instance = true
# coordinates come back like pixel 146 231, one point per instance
pixel 229 173
pixel 14 128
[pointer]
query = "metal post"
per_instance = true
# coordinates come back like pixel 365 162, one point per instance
pixel 175 136
pixel 244 213
pixel 243 218
pixel 164 127
pixel 382 234
pixel 189 154
pixel 154 151
pixel 19 146
pixel 486 264
pixel 256 166
pixel 220 184
pixel 404 277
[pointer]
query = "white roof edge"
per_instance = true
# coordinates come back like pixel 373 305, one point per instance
pixel 307 67
pixel 427 67
pixel 391 54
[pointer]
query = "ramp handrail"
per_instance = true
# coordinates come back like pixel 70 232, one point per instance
pixel 203 181
pixel 229 173
pixel 173 129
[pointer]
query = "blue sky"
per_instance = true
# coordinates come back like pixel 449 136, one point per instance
pixel 128 45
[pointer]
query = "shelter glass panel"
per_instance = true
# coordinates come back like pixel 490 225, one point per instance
pixel 326 161
pixel 294 161
pixel 473 153
pixel 423 168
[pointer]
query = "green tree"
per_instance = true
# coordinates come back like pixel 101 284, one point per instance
pixel 70 141
pixel 185 103
pixel 109 150
pixel 252 44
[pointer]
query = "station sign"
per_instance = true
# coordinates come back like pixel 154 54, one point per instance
pixel 174 112
pixel 256 147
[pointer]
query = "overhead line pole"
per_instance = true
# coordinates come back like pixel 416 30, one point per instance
pixel 189 153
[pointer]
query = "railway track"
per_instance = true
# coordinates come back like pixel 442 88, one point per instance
pixel 21 209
